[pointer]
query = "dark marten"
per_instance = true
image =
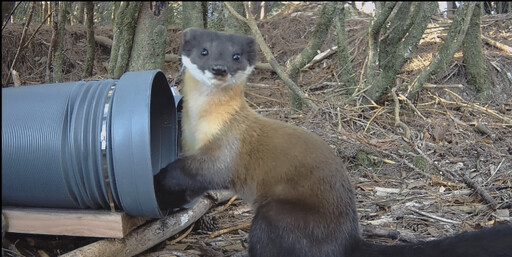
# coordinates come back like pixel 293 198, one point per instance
pixel 303 199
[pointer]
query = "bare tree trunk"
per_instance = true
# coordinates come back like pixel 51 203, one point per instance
pixel 51 6
pixel 232 24
pixel 204 12
pixel 192 15
pixel 295 64
pixel 79 16
pixel 21 44
pixel 474 58
pixel 452 43
pixel 345 71
pixel 67 10
pixel 255 9
pixel 150 40
pixel 61 30
pixel 91 43
pixel 124 29
pixel 398 44
pixel 451 7
pixel 7 7
pixel 53 42
pixel 264 10
pixel 376 24
pixel 44 9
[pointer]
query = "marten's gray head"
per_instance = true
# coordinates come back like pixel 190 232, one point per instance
pixel 216 58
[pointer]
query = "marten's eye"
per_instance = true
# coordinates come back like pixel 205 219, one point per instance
pixel 204 52
pixel 236 57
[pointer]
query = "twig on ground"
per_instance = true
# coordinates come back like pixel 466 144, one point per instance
pixel 225 207
pixel 244 225
pixel 434 216
pixel 399 123
pixel 480 191
pixel 183 235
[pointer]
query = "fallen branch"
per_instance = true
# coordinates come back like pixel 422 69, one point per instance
pixel 507 49
pixel 321 56
pixel 480 191
pixel 473 106
pixel 434 216
pixel 149 235
pixel 104 41
pixel 467 180
pixel 428 85
pixel 244 225
pixel 376 231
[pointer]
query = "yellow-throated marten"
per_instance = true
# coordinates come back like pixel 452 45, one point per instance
pixel 303 199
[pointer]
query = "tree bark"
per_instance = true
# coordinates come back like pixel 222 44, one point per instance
pixel 398 45
pixel 295 64
pixel 232 24
pixel 79 16
pixel 150 40
pixel 53 42
pixel 192 15
pixel 376 24
pixel 91 43
pixel 473 55
pixel 345 71
pixel 61 29
pixel 44 9
pixel 452 43
pixel 255 9
pixel 124 29
pixel 21 44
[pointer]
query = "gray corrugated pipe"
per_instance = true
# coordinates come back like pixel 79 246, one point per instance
pixel 94 144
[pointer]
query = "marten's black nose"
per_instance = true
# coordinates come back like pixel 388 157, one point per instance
pixel 219 70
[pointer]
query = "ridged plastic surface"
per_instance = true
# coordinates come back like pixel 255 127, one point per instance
pixel 71 145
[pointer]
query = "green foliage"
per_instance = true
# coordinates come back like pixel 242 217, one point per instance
pixel 420 162
pixel 367 159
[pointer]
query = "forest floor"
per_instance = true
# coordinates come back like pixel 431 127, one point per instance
pixel 419 187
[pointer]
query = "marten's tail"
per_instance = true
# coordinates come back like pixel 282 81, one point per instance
pixel 493 242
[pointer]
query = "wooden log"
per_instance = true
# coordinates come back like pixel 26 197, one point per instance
pixel 92 223
pixel 507 49
pixel 151 234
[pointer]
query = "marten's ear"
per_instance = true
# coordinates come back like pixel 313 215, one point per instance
pixel 187 37
pixel 251 50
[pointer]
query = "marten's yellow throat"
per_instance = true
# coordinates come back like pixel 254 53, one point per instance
pixel 303 199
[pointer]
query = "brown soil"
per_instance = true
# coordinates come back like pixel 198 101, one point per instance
pixel 374 149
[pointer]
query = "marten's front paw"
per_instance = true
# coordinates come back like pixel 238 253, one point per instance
pixel 170 178
pixel 170 190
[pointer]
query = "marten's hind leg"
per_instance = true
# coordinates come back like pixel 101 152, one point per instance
pixel 285 228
